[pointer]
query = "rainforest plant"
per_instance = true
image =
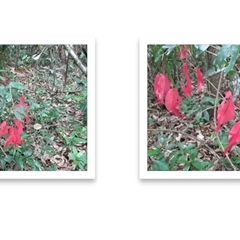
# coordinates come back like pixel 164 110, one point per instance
pixel 168 91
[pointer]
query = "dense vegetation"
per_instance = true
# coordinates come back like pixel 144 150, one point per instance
pixel 193 107
pixel 43 120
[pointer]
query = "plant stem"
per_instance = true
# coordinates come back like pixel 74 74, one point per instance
pixel 3 151
pixel 215 121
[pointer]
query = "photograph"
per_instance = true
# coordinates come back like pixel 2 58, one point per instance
pixel 193 108
pixel 44 120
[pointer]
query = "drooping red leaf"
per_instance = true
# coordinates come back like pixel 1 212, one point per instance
pixel 19 125
pixel 161 87
pixel 187 89
pixel 3 128
pixel 233 138
pixel 200 78
pixel 13 138
pixel 173 102
pixel 183 54
pixel 225 110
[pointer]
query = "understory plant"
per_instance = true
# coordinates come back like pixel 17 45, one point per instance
pixel 14 116
pixel 178 95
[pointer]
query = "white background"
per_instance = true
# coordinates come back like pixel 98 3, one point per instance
pixel 117 205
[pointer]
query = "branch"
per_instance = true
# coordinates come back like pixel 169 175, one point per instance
pixel 76 59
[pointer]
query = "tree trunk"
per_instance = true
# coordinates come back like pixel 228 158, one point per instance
pixel 213 79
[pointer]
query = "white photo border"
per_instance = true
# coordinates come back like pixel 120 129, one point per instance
pixel 77 40
pixel 143 172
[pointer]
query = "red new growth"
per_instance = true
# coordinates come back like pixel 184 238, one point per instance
pixel 225 110
pixel 14 134
pixel 19 125
pixel 183 54
pixel 200 78
pixel 233 138
pixel 3 128
pixel 14 137
pixel 161 87
pixel 173 102
pixel 187 89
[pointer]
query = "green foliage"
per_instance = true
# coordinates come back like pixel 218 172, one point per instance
pixel 199 110
pixel 60 131
pixel 174 156
pixel 78 158
pixel 227 57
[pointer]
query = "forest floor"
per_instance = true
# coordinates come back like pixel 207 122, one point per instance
pixel 56 136
pixel 186 131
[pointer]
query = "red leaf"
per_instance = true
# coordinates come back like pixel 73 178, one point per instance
pixel 233 138
pixel 14 137
pixel 183 54
pixel 27 120
pixel 22 99
pixel 19 125
pixel 161 87
pixel 225 110
pixel 3 128
pixel 187 89
pixel 173 102
pixel 200 79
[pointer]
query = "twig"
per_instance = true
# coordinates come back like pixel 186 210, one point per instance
pixel 213 86
pixel 3 151
pixel 194 138
pixel 76 59
pixel 215 121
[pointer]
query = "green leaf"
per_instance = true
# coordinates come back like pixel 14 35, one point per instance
pixel 212 71
pixel 5 160
pixel 190 146
pixel 75 151
pixel 20 162
pixel 198 116
pixel 227 57
pixel 24 57
pixel 202 47
pixel 8 97
pixel 72 156
pixel 169 48
pixel 76 97
pixel 206 116
pixel 193 153
pixel 170 146
pixel 160 166
pixel 208 100
pixel 36 166
pixel 3 91
pixel 79 140
pixel 182 159
pixel 16 85
pixel 83 158
pixel 200 165
pixel 28 153
pixel 20 113
pixel 186 167
pixel 153 152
